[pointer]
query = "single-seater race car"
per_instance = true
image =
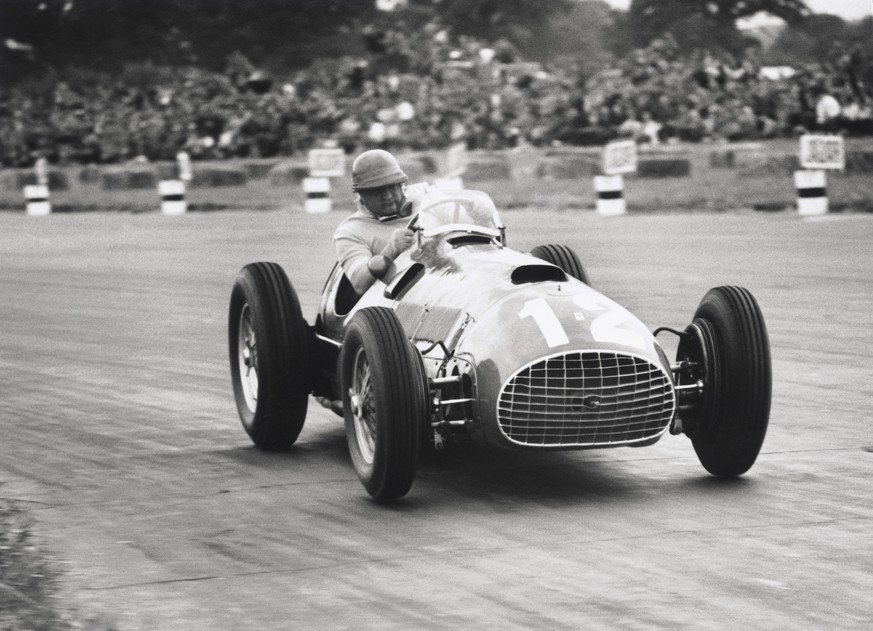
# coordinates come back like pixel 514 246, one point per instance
pixel 467 336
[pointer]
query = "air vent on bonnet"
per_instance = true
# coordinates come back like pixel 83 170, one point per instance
pixel 537 274
pixel 470 239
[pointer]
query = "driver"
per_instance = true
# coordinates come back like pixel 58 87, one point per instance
pixel 368 242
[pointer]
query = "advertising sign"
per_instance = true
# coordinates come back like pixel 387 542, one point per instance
pixel 620 157
pixel 822 152
pixel 327 162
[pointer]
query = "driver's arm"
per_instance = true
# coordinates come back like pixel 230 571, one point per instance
pixel 368 256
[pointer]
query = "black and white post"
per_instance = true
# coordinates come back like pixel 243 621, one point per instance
pixel 172 194
pixel 818 152
pixel 317 190
pixel 618 158
pixel 36 196
pixel 324 163
pixel 812 192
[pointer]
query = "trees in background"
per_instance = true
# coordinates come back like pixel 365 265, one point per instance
pixel 281 36
pixel 703 24
pixel 105 34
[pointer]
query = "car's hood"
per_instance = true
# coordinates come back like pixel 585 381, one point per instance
pixel 492 302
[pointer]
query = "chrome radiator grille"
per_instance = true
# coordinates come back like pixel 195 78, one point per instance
pixel 586 399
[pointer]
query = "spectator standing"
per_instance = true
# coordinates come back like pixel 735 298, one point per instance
pixel 827 110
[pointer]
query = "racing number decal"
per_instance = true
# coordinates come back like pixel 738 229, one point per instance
pixel 550 326
pixel 604 327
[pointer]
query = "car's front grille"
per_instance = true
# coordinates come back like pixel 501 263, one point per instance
pixel 586 399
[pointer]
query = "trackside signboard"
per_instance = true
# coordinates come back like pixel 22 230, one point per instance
pixel 327 162
pixel 822 152
pixel 620 157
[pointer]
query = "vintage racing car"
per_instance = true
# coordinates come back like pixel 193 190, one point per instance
pixel 469 337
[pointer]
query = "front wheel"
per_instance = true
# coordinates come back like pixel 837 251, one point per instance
pixel 728 349
pixel 269 343
pixel 563 257
pixel 385 402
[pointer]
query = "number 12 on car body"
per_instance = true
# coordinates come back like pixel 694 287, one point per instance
pixel 604 327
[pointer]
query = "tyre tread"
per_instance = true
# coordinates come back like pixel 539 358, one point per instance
pixel 394 469
pixel 562 256
pixel 732 444
pixel 282 356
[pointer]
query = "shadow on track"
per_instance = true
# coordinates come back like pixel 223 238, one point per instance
pixel 471 472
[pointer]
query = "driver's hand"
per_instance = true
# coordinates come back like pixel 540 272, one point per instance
pixel 401 239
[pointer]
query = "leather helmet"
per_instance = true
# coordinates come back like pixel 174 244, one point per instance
pixel 376 168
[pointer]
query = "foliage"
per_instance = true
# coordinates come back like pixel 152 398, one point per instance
pixel 699 24
pixel 846 46
pixel 520 21
pixel 107 33
pixel 26 581
pixel 276 35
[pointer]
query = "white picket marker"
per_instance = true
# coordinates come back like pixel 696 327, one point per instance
pixel 610 195
pixel 812 195
pixel 172 194
pixel 317 191
pixel 37 199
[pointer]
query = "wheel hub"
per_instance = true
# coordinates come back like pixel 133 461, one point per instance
pixel 248 359
pixel 362 408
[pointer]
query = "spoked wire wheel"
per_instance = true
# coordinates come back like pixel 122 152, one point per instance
pixel 363 407
pixel 247 354
pixel 269 344
pixel 385 402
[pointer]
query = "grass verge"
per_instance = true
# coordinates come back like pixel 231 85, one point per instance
pixel 29 584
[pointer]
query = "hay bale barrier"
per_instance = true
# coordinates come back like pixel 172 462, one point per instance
pixel 725 177
pixel 722 159
pixel 566 167
pixel 859 161
pixel 216 177
pixel 259 169
pixel 90 174
pixel 783 165
pixel 484 168
pixel 127 178
pixel 663 167
pixel 16 180
pixel 288 174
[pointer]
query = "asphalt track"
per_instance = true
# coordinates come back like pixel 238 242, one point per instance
pixel 120 435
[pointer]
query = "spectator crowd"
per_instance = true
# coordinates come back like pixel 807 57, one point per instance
pixel 405 95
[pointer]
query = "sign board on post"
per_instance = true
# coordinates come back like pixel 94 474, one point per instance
pixel 620 157
pixel 327 162
pixel 456 160
pixel 822 152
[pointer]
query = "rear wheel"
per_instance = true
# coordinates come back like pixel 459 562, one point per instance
pixel 269 344
pixel 385 402
pixel 726 346
pixel 564 257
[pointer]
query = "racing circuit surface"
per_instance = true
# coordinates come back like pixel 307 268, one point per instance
pixel 121 437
